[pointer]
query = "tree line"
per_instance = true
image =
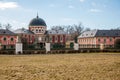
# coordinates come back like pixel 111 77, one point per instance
pixel 5 26
pixel 74 30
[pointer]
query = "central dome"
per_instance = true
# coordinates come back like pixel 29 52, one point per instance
pixel 37 22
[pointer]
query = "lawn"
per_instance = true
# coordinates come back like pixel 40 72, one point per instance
pixel 92 66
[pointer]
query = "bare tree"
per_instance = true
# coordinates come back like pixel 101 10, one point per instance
pixel 0 26
pixel 8 26
pixel 117 28
pixel 57 28
pixel 79 28
pixel 87 29
pixel 73 30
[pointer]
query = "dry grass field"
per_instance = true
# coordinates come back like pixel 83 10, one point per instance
pixel 99 66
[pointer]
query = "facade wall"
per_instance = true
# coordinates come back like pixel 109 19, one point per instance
pixel 87 42
pixel 7 41
pixel 107 41
pixel 39 32
pixel 29 38
pixel 38 29
pixel 57 38
pixel 94 42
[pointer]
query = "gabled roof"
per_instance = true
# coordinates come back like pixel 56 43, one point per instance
pixel 56 32
pixel 100 33
pixel 6 32
pixel 91 33
pixel 106 33
pixel 23 31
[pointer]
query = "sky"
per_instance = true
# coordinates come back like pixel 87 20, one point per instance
pixel 94 14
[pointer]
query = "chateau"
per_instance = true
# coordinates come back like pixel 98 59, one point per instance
pixel 94 38
pixel 37 35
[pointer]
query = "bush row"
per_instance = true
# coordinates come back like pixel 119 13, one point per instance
pixel 11 52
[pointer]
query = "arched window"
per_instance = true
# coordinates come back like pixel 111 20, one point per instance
pixel 39 30
pixel 32 29
pixel 36 30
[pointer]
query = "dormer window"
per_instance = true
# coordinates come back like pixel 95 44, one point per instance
pixel 116 34
pixel 4 32
pixel 103 33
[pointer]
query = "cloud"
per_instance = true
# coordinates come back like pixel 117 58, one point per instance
pixel 71 7
pixel 95 10
pixel 8 5
pixel 82 0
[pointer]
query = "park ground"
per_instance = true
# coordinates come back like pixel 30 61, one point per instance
pixel 82 66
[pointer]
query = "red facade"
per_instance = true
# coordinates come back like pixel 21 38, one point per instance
pixel 7 41
pixel 94 41
pixel 58 38
pixel 28 38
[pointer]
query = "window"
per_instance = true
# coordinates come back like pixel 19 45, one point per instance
pixel 116 34
pixel 12 46
pixel 39 31
pixel 104 34
pixel 4 47
pixel 50 39
pixel 36 31
pixel 61 38
pixel 56 38
pixel 12 39
pixel 98 40
pixel 110 39
pixel 25 35
pixel 104 40
pixel 4 38
pixel 32 29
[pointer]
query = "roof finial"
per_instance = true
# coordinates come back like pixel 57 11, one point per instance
pixel 37 15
